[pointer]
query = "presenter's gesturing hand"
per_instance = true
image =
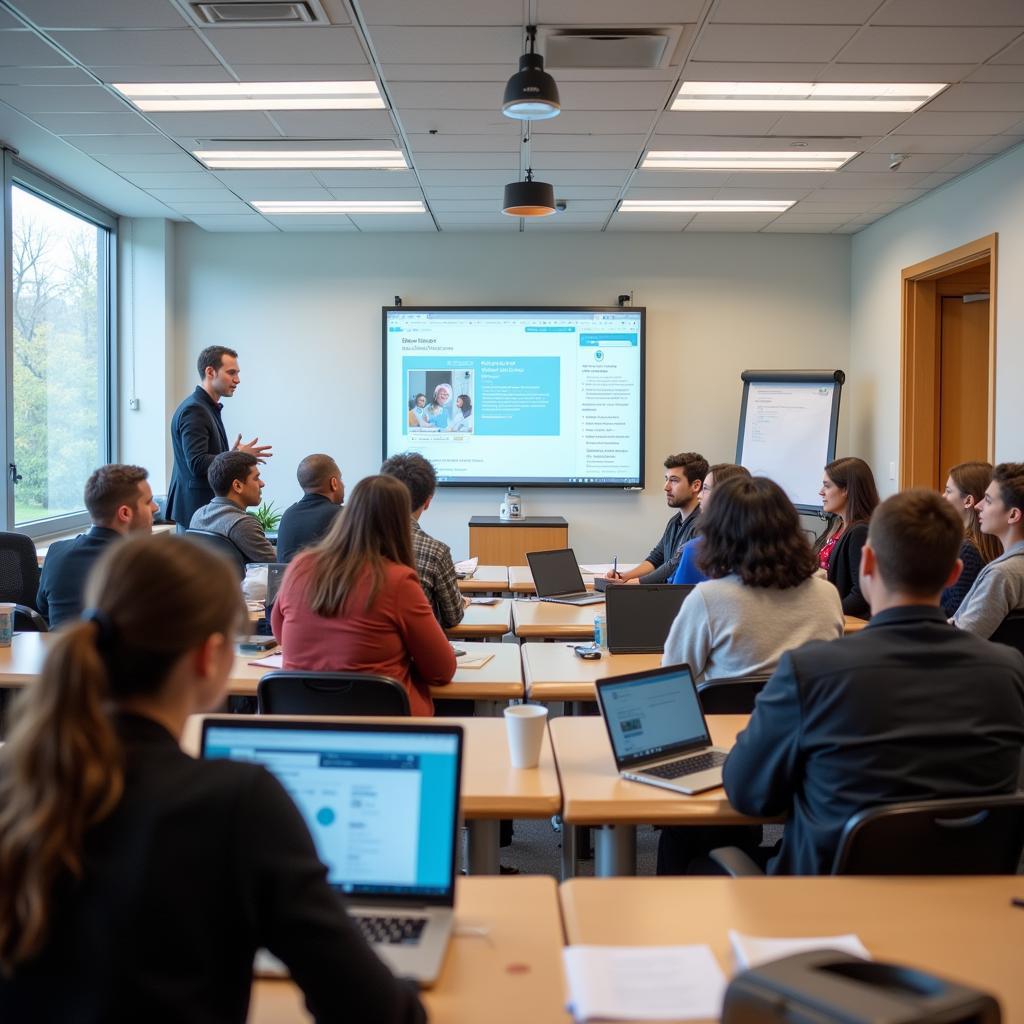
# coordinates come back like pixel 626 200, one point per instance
pixel 261 451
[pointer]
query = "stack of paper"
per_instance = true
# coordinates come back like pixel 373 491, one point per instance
pixel 466 567
pixel 751 952
pixel 270 661
pixel 643 982
pixel 473 660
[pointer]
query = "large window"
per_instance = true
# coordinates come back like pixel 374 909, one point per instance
pixel 59 351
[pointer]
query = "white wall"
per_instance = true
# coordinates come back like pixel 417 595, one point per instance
pixel 303 311
pixel 989 199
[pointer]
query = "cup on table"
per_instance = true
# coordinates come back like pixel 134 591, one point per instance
pixel 524 724
pixel 6 623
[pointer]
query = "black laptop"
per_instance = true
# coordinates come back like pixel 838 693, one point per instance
pixel 640 617
pixel 557 577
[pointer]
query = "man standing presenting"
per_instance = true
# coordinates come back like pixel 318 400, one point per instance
pixel 198 436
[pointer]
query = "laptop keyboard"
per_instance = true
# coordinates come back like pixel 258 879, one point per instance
pixel 394 931
pixel 688 766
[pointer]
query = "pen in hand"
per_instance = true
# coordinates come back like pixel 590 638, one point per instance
pixel 615 567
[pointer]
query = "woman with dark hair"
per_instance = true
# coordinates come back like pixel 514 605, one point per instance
pixel 762 596
pixel 687 571
pixel 353 602
pixel 136 882
pixel 965 490
pixel 462 418
pixel 848 496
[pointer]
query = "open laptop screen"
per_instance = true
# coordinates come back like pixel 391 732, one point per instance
pixel 555 572
pixel 381 802
pixel 652 714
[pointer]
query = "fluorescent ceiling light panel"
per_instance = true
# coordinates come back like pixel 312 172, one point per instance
pixel 765 160
pixel 274 208
pixel 335 159
pixel 705 205
pixel 177 96
pixel 822 97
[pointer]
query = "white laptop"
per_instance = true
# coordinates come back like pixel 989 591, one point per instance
pixel 557 577
pixel 382 803
pixel 658 731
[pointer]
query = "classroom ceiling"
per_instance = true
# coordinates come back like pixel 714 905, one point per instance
pixel 441 66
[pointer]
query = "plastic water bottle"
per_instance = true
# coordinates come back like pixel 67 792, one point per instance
pixel 601 632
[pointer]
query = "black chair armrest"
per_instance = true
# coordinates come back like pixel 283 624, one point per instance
pixel 39 624
pixel 735 862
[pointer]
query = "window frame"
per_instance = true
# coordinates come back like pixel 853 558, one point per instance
pixel 17 172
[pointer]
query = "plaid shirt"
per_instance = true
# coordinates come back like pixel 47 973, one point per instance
pixel 437 577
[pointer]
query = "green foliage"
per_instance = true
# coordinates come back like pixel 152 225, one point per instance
pixel 267 516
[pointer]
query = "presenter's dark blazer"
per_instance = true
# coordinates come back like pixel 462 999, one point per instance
pixel 200 864
pixel 909 708
pixel 844 570
pixel 197 437
pixel 304 523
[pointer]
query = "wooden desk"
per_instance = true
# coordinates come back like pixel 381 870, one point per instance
pixel 554 672
pixel 542 620
pixel 506 542
pixel 491 788
pixel 500 679
pixel 963 928
pixel 594 794
pixel 484 621
pixel 853 625
pixel 488 579
pixel 504 966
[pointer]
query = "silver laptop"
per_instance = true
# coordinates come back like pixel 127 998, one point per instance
pixel 639 618
pixel 382 804
pixel 658 731
pixel 557 577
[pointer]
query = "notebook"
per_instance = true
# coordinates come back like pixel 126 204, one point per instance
pixel 557 577
pixel 382 803
pixel 640 617
pixel 658 731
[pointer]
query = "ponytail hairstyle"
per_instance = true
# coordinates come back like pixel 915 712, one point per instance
pixel 973 478
pixel 151 600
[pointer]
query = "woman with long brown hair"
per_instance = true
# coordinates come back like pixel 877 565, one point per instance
pixel 353 602
pixel 965 489
pixel 849 496
pixel 137 883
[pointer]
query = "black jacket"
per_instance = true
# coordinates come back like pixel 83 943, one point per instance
pixel 62 583
pixel 909 708
pixel 200 864
pixel 844 570
pixel 197 437
pixel 304 523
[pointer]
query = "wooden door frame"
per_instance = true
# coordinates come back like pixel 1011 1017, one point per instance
pixel 919 355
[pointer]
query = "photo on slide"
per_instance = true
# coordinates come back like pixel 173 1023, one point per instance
pixel 440 400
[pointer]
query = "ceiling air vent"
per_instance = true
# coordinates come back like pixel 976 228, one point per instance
pixel 258 13
pixel 609 48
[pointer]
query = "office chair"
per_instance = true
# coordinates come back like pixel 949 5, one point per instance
pixel 218 542
pixel 330 693
pixel 733 696
pixel 1011 631
pixel 19 580
pixel 966 836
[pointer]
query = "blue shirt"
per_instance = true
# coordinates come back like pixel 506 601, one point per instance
pixel 687 571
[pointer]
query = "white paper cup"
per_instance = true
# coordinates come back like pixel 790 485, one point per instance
pixel 524 724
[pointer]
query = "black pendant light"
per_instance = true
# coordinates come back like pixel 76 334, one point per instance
pixel 529 198
pixel 531 93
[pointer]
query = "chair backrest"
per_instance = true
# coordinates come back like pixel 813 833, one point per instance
pixel 330 693
pixel 734 696
pixel 28 620
pixel 1011 631
pixel 221 543
pixel 975 836
pixel 19 569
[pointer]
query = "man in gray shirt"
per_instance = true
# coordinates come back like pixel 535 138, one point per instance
pixel 235 479
pixel 999 588
pixel 684 478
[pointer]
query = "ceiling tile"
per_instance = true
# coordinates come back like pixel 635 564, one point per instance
pixel 440 161
pixel 471 45
pixel 809 124
pixel 367 179
pixel 790 228
pixel 451 12
pixel 849 206
pixel 294 225
pixel 498 179
pixel 996 144
pixel 772 42
pixel 456 143
pixel 751 71
pixel 66 75
pixel 497 72
pixel 26 49
pixel 730 221
pixel 581 161
pixel 680 179
pixel 795 216
pixel 896 195
pixel 701 122
pixel 922 72
pixel 886 179
pixel 935 179
pixel 566 143
pixel 493 193
pixel 487 95
pixel 997 73
pixel 156 181
pixel 912 45
pixel 794 12
pixel 371 192
pixel 125 123
pixel 260 192
pixel 931 143
pixel 70 99
pixel 159 163
pixel 394 222
pixel 471 208
pixel 762 192
pixel 186 195
pixel 950 12
pixel 980 96
pixel 844 143
pixel 556 224
pixel 303 72
pixel 507 224
pixel 672 193
pixel 160 73
pixel 102 144
pixel 649 221
pixel 613 122
pixel 8 21
pixel 102 13
pixel 591 13
pixel 213 209
pixel 233 223
pixel 878 163
pixel 317 44
pixel 218 124
pixel 941 123
pixel 272 179
pixel 461 121
pixel 162 46
pixel 965 163
pixel 614 95
pixel 336 124
pixel 804 181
